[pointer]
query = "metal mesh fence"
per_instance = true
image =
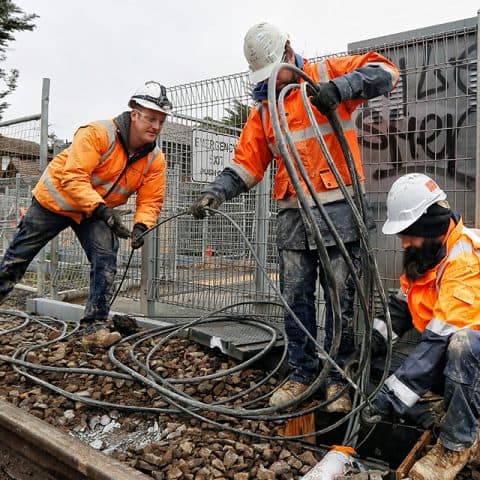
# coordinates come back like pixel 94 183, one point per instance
pixel 427 124
pixel 207 264
pixel 71 268
pixel 19 153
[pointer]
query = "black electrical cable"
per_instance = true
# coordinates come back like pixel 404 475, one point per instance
pixel 174 399
pixel 281 144
pixel 178 400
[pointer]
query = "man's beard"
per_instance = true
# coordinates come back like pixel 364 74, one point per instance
pixel 418 260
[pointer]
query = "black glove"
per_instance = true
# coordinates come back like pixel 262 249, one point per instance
pixel 137 235
pixel 371 415
pixel 113 219
pixel 327 98
pixel 197 210
pixel 378 344
pixel 379 409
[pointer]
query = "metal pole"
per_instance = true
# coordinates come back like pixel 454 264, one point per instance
pixel 147 278
pixel 477 136
pixel 43 163
pixel 17 198
pixel 261 237
pixel 28 118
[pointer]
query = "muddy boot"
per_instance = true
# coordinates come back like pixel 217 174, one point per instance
pixel 289 391
pixel 125 324
pixel 99 337
pixel 342 404
pixel 440 463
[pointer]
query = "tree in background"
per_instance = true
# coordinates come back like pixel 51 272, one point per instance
pixel 12 19
pixel 237 116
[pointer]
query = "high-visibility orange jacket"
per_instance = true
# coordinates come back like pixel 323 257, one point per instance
pixel 445 300
pixel 96 169
pixel 256 149
pixel 449 294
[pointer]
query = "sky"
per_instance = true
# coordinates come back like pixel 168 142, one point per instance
pixel 97 52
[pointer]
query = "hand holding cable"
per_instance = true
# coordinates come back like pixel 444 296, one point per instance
pixel 138 237
pixel 208 199
pixel 379 409
pixel 326 97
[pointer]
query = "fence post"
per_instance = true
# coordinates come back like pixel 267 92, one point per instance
pixel 43 163
pixel 477 130
pixel 261 238
pixel 17 198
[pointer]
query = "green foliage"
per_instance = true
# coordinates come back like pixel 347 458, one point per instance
pixel 236 117
pixel 12 19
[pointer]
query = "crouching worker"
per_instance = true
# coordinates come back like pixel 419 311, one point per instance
pixel 108 161
pixel 440 297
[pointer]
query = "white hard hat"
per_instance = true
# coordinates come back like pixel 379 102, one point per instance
pixel 408 199
pixel 151 95
pixel 263 47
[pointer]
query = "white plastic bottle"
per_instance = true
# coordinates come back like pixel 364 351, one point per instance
pixel 338 461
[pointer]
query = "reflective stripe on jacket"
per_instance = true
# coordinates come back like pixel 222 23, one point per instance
pixel 76 181
pixel 257 141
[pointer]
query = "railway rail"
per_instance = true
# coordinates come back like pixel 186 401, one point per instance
pixel 57 454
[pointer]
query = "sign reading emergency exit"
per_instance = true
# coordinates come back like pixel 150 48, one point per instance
pixel 211 153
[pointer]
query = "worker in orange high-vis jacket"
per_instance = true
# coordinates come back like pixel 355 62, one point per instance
pixel 343 83
pixel 440 297
pixel 108 161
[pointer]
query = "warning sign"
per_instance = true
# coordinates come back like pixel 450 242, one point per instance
pixel 211 152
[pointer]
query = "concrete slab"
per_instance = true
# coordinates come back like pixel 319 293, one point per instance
pixel 72 312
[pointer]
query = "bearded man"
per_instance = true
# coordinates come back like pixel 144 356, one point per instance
pixel 440 297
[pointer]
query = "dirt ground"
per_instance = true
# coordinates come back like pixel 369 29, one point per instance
pixel 164 446
pixel 160 445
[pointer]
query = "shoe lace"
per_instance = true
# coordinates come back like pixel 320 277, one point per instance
pixel 294 387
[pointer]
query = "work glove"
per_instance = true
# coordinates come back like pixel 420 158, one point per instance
pixel 113 219
pixel 327 97
pixel 197 210
pixel 137 235
pixel 378 345
pixel 371 415
pixel 379 409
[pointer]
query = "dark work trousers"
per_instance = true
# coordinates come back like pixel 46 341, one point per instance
pixel 299 270
pixel 460 424
pixel 37 228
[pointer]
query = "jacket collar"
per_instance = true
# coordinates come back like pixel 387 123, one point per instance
pixel 122 122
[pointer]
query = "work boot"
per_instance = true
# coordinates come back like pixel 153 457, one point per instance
pixel 440 463
pixel 342 404
pixel 97 336
pixel 287 392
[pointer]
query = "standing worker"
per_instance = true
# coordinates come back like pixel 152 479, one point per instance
pixel 344 83
pixel 440 297
pixel 108 161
